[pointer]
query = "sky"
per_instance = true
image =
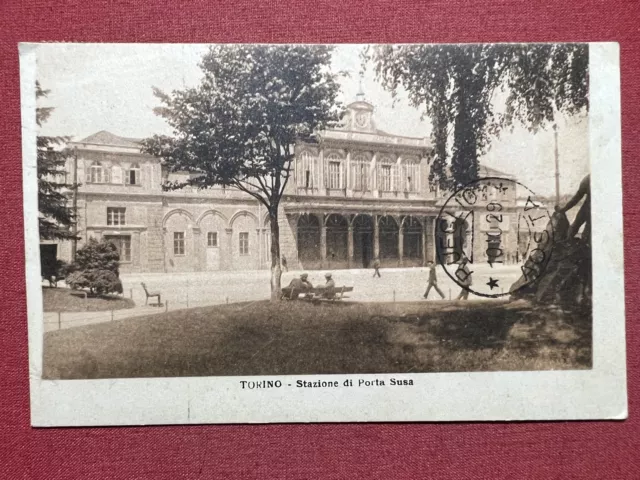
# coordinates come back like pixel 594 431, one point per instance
pixel 96 87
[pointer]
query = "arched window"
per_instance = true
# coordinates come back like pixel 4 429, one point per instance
pixel 334 171
pixel 410 175
pixel 360 166
pixel 387 173
pixel 306 170
pixel 96 173
pixel 133 175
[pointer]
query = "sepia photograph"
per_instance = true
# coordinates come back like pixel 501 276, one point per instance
pixel 322 218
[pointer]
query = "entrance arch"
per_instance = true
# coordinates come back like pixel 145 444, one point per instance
pixel 309 241
pixel 388 241
pixel 337 241
pixel 412 242
pixel 362 240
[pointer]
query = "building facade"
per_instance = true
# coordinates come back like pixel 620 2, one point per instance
pixel 356 195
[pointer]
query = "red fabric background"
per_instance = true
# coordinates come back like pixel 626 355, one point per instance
pixel 387 451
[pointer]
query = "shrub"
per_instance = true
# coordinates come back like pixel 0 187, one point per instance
pixel 96 268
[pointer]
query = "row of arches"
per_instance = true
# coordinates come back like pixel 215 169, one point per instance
pixel 394 240
pixel 213 241
pixel 228 222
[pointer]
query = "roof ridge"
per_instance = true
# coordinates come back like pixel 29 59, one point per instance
pixel 105 137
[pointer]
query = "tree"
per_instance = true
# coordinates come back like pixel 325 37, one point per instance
pixel 472 92
pixel 56 216
pixel 97 268
pixel 238 128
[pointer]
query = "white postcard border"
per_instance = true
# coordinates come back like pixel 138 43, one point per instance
pixel 599 393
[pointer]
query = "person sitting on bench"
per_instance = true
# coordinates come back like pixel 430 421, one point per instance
pixel 300 285
pixel 329 287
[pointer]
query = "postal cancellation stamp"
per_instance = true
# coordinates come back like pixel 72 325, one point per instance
pixel 490 201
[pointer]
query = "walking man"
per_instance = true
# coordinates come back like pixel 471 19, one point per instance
pixel 463 274
pixel 433 280
pixel 284 263
pixel 376 266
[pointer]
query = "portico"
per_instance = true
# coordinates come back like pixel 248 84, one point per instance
pixel 326 239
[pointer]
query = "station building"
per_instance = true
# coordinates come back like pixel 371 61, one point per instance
pixel 357 194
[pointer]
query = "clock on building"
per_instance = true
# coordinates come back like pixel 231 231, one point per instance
pixel 362 119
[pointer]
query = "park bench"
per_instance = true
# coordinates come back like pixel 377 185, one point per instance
pixel 317 293
pixel 150 295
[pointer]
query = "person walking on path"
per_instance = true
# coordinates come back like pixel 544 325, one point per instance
pixel 433 280
pixel 463 274
pixel 376 266
pixel 284 263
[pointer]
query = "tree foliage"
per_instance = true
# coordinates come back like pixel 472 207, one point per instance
pixel 239 126
pixel 472 92
pixel 96 268
pixel 56 216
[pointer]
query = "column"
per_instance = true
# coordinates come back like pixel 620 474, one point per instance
pixel 425 234
pixel 400 244
pixel 400 176
pixel 376 237
pixel 350 246
pixel 227 264
pixel 374 175
pixel 432 237
pixel 450 255
pixel 323 242
pixel 198 264
pixel 468 246
pixel 266 240
pixel 259 243
pixel 321 183
pixel 348 187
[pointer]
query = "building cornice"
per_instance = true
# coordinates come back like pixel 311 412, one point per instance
pixel 116 229
pixel 163 197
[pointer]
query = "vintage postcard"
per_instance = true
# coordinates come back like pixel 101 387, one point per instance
pixel 252 233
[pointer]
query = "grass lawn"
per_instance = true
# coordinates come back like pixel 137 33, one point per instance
pixel 67 300
pixel 301 338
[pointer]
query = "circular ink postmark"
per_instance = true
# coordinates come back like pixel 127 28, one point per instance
pixel 494 237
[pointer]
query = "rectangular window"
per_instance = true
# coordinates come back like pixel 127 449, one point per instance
pixel 178 243
pixel 122 244
pixel 212 239
pixel 244 243
pixel 134 176
pixel 385 178
pixel 95 175
pixel 116 216
pixel 411 177
pixel 334 175
pixel 360 175
pixel 364 176
pixel 305 169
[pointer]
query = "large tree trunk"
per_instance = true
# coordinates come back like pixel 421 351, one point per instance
pixel 276 270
